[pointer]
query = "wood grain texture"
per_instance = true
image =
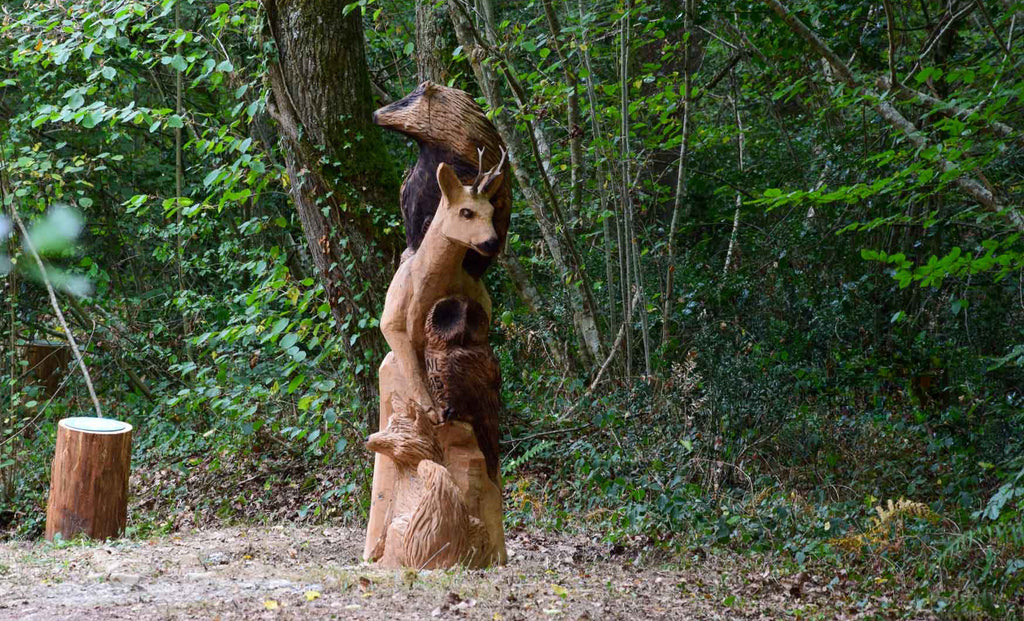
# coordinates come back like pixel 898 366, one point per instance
pixel 89 484
pixel 444 509
pixel 463 373
pixel 449 126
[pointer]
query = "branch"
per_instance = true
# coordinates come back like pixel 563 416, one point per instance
pixel 972 187
pixel 56 309
pixel 909 94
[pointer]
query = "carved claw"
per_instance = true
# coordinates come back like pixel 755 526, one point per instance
pixel 432 414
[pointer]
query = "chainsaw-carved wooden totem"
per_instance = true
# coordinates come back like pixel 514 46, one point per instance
pixel 436 489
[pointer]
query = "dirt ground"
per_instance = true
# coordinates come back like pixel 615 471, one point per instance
pixel 290 572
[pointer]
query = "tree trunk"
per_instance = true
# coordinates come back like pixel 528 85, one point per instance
pixel 666 314
pixel 739 198
pixel 433 31
pixel 338 168
pixel 341 180
pixel 89 481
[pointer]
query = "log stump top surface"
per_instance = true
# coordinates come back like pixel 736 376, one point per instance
pixel 91 424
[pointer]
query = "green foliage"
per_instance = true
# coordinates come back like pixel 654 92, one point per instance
pixel 793 395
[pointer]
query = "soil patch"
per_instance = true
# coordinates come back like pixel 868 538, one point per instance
pixel 303 572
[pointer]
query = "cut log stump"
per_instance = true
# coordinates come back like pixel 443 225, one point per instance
pixel 89 480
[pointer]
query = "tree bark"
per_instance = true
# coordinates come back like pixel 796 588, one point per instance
pixel 336 162
pixel 433 31
pixel 739 199
pixel 670 270
pixel 574 129
pixel 89 481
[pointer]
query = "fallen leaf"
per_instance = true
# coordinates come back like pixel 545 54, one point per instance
pixel 311 595
pixel 271 604
pixel 560 591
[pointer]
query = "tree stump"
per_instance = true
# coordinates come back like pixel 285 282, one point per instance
pixel 89 480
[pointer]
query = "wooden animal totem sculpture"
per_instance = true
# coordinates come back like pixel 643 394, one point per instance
pixel 436 492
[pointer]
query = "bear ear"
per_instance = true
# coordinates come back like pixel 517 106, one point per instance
pixel 451 187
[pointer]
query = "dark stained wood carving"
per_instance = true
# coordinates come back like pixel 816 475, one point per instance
pixel 449 128
pixel 463 373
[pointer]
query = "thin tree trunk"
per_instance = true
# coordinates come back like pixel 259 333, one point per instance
pixel 970 186
pixel 544 204
pixel 27 241
pixel 739 199
pixel 670 270
pixel 603 178
pixel 633 255
pixel 623 229
pixel 908 94
pixel 179 181
pixel 10 473
pixel 574 129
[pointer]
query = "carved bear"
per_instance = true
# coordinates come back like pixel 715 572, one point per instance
pixel 463 374
pixel 449 127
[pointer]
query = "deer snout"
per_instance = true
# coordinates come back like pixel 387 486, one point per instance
pixel 489 247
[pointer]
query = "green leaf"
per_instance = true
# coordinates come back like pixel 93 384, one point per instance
pixel 91 119
pixel 295 383
pixel 211 177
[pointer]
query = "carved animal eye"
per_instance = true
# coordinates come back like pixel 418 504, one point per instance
pixel 466 213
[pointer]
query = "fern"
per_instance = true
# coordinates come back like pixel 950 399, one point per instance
pixel 1006 536
pixel 887 526
pixel 512 465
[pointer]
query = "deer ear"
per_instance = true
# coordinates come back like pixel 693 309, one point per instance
pixel 449 182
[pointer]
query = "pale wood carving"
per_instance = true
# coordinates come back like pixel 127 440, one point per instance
pixel 89 480
pixel 436 496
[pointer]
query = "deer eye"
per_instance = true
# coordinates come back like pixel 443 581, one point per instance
pixel 466 213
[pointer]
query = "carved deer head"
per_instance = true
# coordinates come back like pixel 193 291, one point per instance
pixel 465 211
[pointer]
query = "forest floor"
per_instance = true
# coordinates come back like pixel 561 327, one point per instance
pixel 307 572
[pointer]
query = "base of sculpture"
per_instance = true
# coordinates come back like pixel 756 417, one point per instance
pixel 433 503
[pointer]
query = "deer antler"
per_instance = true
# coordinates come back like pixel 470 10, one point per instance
pixel 484 179
pixel 480 170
